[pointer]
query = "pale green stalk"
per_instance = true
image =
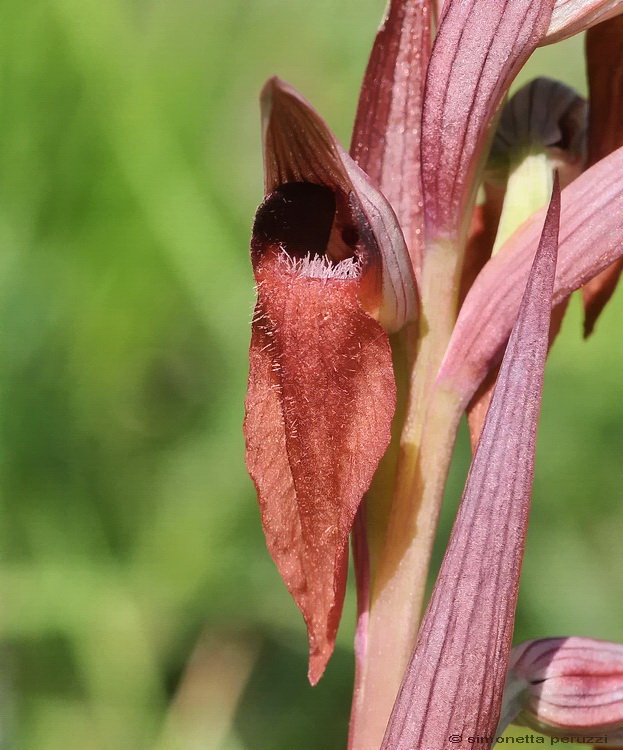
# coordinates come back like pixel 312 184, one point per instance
pixel 529 187
pixel 400 565
pixel 426 445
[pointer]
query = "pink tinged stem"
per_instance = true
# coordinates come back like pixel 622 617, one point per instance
pixel 479 47
pixel 361 562
pixel 455 679
pixel 386 136
pixel 386 145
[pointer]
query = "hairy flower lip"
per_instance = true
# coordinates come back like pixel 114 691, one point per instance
pixel 300 148
pixel 319 406
pixel 333 276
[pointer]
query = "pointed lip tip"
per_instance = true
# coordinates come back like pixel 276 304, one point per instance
pixel 315 672
pixel 318 660
pixel 313 678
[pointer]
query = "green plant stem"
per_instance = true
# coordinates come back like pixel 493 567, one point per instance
pixel 529 187
pixel 400 566
pixel 399 577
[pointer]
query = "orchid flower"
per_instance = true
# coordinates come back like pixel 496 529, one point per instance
pixel 381 317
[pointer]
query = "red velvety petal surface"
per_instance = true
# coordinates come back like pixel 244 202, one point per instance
pixel 319 407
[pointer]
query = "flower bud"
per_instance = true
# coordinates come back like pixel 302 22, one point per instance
pixel 566 687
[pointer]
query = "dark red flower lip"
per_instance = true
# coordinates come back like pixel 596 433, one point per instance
pixel 333 277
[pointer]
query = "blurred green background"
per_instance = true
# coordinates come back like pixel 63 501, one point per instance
pixel 138 606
